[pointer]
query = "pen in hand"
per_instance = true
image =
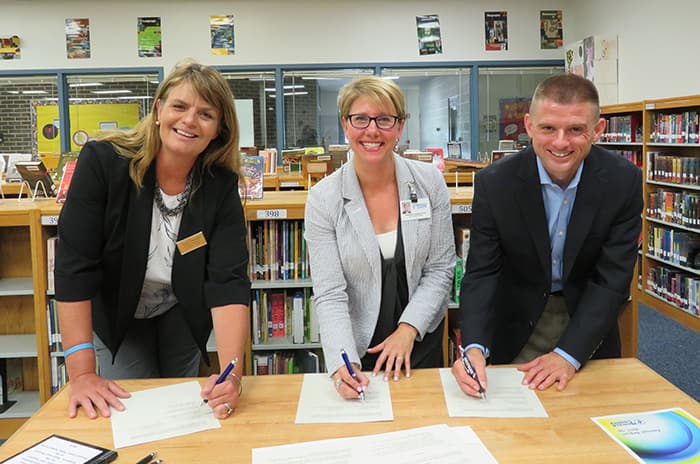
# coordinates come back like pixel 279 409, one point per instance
pixel 470 371
pixel 223 375
pixel 147 459
pixel 348 365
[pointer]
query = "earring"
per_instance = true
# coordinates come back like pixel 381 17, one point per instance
pixel 157 123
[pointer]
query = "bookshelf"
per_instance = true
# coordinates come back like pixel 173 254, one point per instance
pixel 22 328
pixel 624 134
pixel 670 279
pixel 624 130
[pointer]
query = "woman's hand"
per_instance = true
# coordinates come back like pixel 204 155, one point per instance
pixel 346 385
pixel 90 391
pixel 222 398
pixel 395 350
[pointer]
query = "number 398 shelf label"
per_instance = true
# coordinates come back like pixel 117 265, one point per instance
pixel 461 209
pixel 271 214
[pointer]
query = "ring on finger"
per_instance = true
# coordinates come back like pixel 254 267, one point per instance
pixel 229 409
pixel 338 382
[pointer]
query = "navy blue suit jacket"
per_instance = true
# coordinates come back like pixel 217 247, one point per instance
pixel 508 276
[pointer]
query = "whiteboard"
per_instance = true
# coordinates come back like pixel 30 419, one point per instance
pixel 244 111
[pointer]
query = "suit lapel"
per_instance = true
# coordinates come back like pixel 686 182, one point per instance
pixel 137 235
pixel 588 201
pixel 356 211
pixel 531 204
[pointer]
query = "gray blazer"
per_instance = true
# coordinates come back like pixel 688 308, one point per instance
pixel 346 262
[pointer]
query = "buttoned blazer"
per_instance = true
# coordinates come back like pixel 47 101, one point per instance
pixel 508 276
pixel 346 261
pixel 104 232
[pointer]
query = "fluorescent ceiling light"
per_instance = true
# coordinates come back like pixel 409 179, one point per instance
pixel 99 92
pixel 287 94
pixel 86 84
pixel 34 92
pixel 296 86
pixel 390 78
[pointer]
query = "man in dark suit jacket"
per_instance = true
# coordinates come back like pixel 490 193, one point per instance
pixel 553 244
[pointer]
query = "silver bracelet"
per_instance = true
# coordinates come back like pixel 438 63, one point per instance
pixel 237 379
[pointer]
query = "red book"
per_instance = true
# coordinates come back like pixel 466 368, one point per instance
pixel 67 176
pixel 277 309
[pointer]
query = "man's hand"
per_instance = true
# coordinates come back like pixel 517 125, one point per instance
pixel 543 371
pixel 464 380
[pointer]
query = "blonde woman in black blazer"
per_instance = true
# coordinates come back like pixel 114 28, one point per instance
pixel 381 246
pixel 152 250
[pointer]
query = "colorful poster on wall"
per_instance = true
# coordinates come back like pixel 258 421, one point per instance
pixel 9 48
pixel 512 124
pixel 87 119
pixel 222 41
pixel 429 41
pixel 149 37
pixel 77 38
pixel 551 29
pixel 496 27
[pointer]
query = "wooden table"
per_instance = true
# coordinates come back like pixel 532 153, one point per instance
pixel 266 415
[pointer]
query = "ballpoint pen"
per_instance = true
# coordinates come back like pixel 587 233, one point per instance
pixel 470 371
pixel 148 458
pixel 224 374
pixel 351 370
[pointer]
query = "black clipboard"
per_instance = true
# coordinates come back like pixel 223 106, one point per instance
pixel 70 450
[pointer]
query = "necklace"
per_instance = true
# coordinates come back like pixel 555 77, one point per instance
pixel 182 199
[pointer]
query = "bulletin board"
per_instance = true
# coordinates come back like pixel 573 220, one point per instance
pixel 87 119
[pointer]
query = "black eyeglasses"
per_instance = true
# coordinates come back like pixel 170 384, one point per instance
pixel 362 121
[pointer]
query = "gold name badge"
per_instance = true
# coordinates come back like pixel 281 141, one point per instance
pixel 191 243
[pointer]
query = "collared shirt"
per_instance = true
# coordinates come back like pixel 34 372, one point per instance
pixel 558 204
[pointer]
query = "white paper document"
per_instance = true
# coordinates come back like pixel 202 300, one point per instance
pixel 505 396
pixel 320 403
pixel 159 413
pixel 436 444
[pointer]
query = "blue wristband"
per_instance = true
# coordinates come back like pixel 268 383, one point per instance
pixel 78 347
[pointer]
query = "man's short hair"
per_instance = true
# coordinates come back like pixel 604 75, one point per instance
pixel 567 88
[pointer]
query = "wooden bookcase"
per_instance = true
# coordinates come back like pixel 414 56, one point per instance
pixel 624 134
pixel 23 337
pixel 672 304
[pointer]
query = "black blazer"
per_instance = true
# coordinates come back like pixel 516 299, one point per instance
pixel 508 276
pixel 104 231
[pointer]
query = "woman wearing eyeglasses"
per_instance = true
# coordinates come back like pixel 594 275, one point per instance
pixel 381 247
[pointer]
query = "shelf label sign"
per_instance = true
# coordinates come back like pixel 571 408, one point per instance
pixel 49 220
pixel 461 209
pixel 271 214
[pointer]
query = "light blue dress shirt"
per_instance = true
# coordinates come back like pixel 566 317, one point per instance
pixel 558 204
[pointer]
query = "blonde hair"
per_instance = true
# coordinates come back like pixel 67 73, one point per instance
pixel 143 143
pixel 381 91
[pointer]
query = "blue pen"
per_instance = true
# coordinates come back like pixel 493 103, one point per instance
pixel 225 374
pixel 351 370
pixel 470 371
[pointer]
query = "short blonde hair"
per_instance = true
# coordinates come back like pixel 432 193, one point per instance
pixel 381 91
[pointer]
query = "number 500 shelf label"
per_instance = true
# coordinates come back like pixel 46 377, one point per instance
pixel 271 214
